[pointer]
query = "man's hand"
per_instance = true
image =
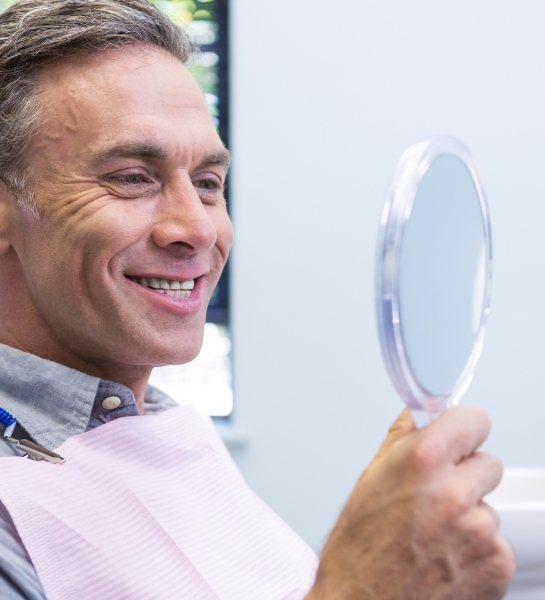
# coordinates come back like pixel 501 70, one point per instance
pixel 415 526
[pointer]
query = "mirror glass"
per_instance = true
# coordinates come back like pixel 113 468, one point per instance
pixel 433 275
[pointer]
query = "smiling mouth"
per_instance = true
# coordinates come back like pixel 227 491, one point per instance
pixel 177 288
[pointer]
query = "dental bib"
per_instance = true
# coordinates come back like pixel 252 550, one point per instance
pixel 151 507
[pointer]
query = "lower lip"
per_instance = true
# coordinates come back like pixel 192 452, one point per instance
pixel 178 305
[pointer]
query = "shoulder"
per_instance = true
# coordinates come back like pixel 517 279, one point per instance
pixel 18 578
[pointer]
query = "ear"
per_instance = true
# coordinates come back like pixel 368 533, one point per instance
pixel 7 214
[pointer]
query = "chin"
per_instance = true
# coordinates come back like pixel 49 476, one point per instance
pixel 176 356
pixel 162 347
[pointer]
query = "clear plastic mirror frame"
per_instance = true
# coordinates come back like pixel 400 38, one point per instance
pixel 412 167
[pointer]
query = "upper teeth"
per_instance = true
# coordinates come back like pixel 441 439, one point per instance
pixel 165 284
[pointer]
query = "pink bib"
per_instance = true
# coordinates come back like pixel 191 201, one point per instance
pixel 151 508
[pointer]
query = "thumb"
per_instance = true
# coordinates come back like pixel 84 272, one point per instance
pixel 400 428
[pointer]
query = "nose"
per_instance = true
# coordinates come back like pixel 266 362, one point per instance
pixel 183 221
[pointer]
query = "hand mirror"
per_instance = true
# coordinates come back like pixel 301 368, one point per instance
pixel 434 269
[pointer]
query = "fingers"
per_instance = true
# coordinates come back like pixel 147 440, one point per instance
pixel 491 575
pixel 458 432
pixel 506 563
pixel 478 475
pixel 478 529
pixel 400 428
pixel 455 435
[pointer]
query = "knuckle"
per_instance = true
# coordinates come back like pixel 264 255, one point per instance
pixel 482 530
pixel 424 455
pixel 456 502
pixel 493 572
pixel 477 414
pixel 506 562
pixel 495 461
pixel 492 465
pixel 483 417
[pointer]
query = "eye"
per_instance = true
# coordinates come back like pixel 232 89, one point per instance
pixel 133 181
pixel 209 188
pixel 210 185
pixel 129 177
pixel 132 178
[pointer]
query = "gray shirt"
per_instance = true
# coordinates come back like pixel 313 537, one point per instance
pixel 52 403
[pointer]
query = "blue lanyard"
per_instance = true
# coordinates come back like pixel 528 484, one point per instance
pixel 9 421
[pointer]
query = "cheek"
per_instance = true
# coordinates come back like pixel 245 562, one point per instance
pixel 114 231
pixel 224 229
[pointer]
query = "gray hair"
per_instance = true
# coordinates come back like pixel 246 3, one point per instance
pixel 35 33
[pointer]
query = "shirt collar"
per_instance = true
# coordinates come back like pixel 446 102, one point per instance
pixel 53 402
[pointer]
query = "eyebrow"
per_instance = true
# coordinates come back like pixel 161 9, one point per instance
pixel 149 151
pixel 221 158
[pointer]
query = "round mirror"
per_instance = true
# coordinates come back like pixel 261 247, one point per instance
pixel 434 270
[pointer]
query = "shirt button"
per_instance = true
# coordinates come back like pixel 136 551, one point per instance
pixel 111 403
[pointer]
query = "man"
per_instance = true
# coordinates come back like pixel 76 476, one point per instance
pixel 113 234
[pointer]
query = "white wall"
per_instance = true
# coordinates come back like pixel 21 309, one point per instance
pixel 326 95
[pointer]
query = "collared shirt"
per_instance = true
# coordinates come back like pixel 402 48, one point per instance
pixel 51 403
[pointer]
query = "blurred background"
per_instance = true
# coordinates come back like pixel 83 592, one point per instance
pixel 325 96
pixel 321 99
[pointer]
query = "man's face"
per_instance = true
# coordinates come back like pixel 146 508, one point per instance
pixel 128 175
